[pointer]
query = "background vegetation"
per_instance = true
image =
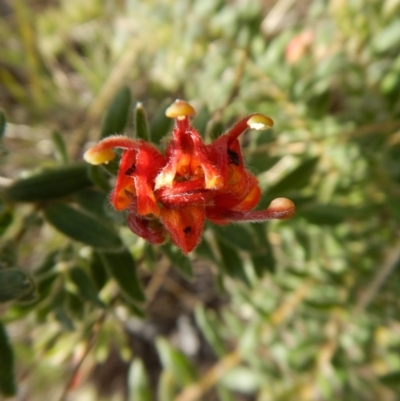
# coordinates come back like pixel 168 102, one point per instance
pixel 305 309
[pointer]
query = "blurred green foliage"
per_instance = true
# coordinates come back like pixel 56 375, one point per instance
pixel 306 309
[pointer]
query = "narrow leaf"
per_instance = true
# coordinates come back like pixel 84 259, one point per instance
pixel 14 284
pixel 209 330
pixel 161 124
pixel 141 123
pixel 122 267
pixel 201 120
pixel 205 251
pixel 8 253
pixel 180 261
pixel 320 214
pixel 238 237
pixel 167 388
pixel 6 218
pixel 3 123
pixel 138 382
pixel 263 259
pixel 60 147
pixel 7 380
pixel 82 227
pixel 93 201
pixel 98 271
pixel 60 310
pixel 176 362
pixel 85 286
pixel 297 179
pixel 99 176
pixel 49 184
pixel 117 114
pixel 232 263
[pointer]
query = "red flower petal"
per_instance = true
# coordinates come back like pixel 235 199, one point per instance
pixel 188 160
pixel 148 163
pixel 137 171
pixel 124 184
pixel 185 226
pixel 151 229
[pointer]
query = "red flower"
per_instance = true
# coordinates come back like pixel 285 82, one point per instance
pixel 172 195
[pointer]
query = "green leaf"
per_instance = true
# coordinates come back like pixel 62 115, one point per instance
pixel 98 271
pixel 150 257
pixel 60 310
pixel 178 259
pixel 8 253
pixel 3 124
pixel 263 259
pixel 167 388
pixel 224 394
pixel 99 177
pixel 93 201
pixel 232 263
pixel 141 123
pixel 82 227
pixel 238 236
pixel 208 328
pixel 215 129
pixel 176 362
pixel 138 382
pixel 242 379
pixel 48 263
pixel 388 37
pixel 122 267
pixel 6 218
pixel 49 184
pixel 117 114
pixel 85 286
pixel 303 356
pixel 161 124
pixel 201 120
pixel 15 284
pixel 60 148
pixel 7 381
pixel 295 180
pixel 325 214
pixel 74 306
pixel 391 380
pixel 205 251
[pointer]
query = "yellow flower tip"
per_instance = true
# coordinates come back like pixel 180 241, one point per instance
pixel 98 156
pixel 179 109
pixel 283 206
pixel 260 122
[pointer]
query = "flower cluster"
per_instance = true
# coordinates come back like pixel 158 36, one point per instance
pixel 172 195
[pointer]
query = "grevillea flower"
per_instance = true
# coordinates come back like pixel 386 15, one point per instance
pixel 172 195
